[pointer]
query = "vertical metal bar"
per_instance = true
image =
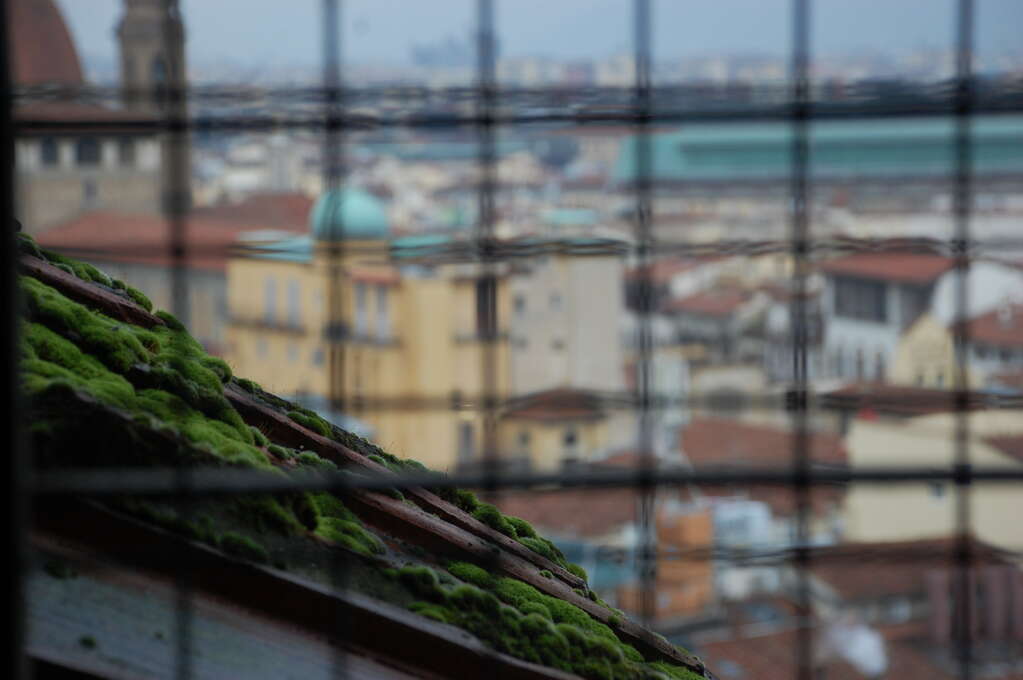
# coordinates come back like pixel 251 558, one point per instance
pixel 337 289
pixel 176 199
pixel 486 289
pixel 800 251
pixel 647 563
pixel 962 198
pixel 18 471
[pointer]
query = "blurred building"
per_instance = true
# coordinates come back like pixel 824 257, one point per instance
pixel 100 158
pixel 380 326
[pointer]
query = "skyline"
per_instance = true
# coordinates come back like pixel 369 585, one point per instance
pixel 385 31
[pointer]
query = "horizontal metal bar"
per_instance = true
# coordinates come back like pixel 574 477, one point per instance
pixel 220 481
pixel 626 116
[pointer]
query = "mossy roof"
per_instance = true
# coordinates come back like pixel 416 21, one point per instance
pixel 111 384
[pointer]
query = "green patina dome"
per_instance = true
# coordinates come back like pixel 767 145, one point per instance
pixel 348 214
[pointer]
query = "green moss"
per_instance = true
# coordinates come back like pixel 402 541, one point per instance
pixel 282 452
pixel 88 642
pixel 546 573
pixel 244 547
pixel 676 672
pixel 430 611
pixel 350 534
pixel 267 514
pixel 523 529
pixel 578 571
pixel 311 422
pixel 515 618
pixel 250 386
pixel 492 517
pixel 423 582
pixel 313 460
pixel 139 297
pixel 470 573
pixel 259 438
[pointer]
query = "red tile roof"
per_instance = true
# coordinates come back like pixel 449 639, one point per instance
pixel 279 210
pixel 774 657
pixel 145 239
pixel 898 267
pixel 43 51
pixel 719 302
pixel 999 327
pixel 720 441
pixel 559 404
pixel 589 513
pixel 1010 445
pixel 710 442
pixel 860 571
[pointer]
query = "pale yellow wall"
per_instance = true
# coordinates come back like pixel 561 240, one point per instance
pixel 925 356
pixel 876 512
pixel 278 357
pixel 546 445
pixel 431 354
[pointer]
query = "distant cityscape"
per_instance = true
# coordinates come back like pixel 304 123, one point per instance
pixel 575 319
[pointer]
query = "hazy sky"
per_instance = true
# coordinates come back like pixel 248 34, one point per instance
pixel 255 32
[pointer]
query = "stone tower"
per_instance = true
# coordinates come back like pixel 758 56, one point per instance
pixel 154 77
pixel 152 39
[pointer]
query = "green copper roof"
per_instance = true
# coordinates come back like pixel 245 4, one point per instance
pixel 348 214
pixel 838 149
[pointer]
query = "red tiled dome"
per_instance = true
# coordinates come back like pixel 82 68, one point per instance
pixel 43 51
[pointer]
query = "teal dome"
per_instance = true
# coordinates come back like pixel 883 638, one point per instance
pixel 349 214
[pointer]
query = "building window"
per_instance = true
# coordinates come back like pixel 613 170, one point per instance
pixel 570 441
pixel 520 304
pixel 49 152
pixel 486 307
pixel 524 441
pixel 880 367
pixel 466 443
pixel 90 192
pixel 294 303
pixel 87 151
pixel 937 490
pixel 126 152
pixel 318 356
pixel 864 300
pixel 270 300
pixel 383 314
pixel 556 302
pixel 361 321
pixel 262 348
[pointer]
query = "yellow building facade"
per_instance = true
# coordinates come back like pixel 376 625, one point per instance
pixel 410 348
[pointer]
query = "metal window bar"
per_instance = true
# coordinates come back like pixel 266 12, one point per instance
pixel 23 485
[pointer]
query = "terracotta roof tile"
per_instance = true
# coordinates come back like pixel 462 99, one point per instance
pixel 999 327
pixel 589 513
pixel 279 210
pixel 43 51
pixel 899 267
pixel 145 239
pixel 719 302
pixel 720 441
pixel 558 405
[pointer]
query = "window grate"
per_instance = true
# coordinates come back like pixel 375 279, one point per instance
pixel 633 106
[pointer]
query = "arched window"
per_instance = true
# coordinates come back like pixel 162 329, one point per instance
pixel 87 151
